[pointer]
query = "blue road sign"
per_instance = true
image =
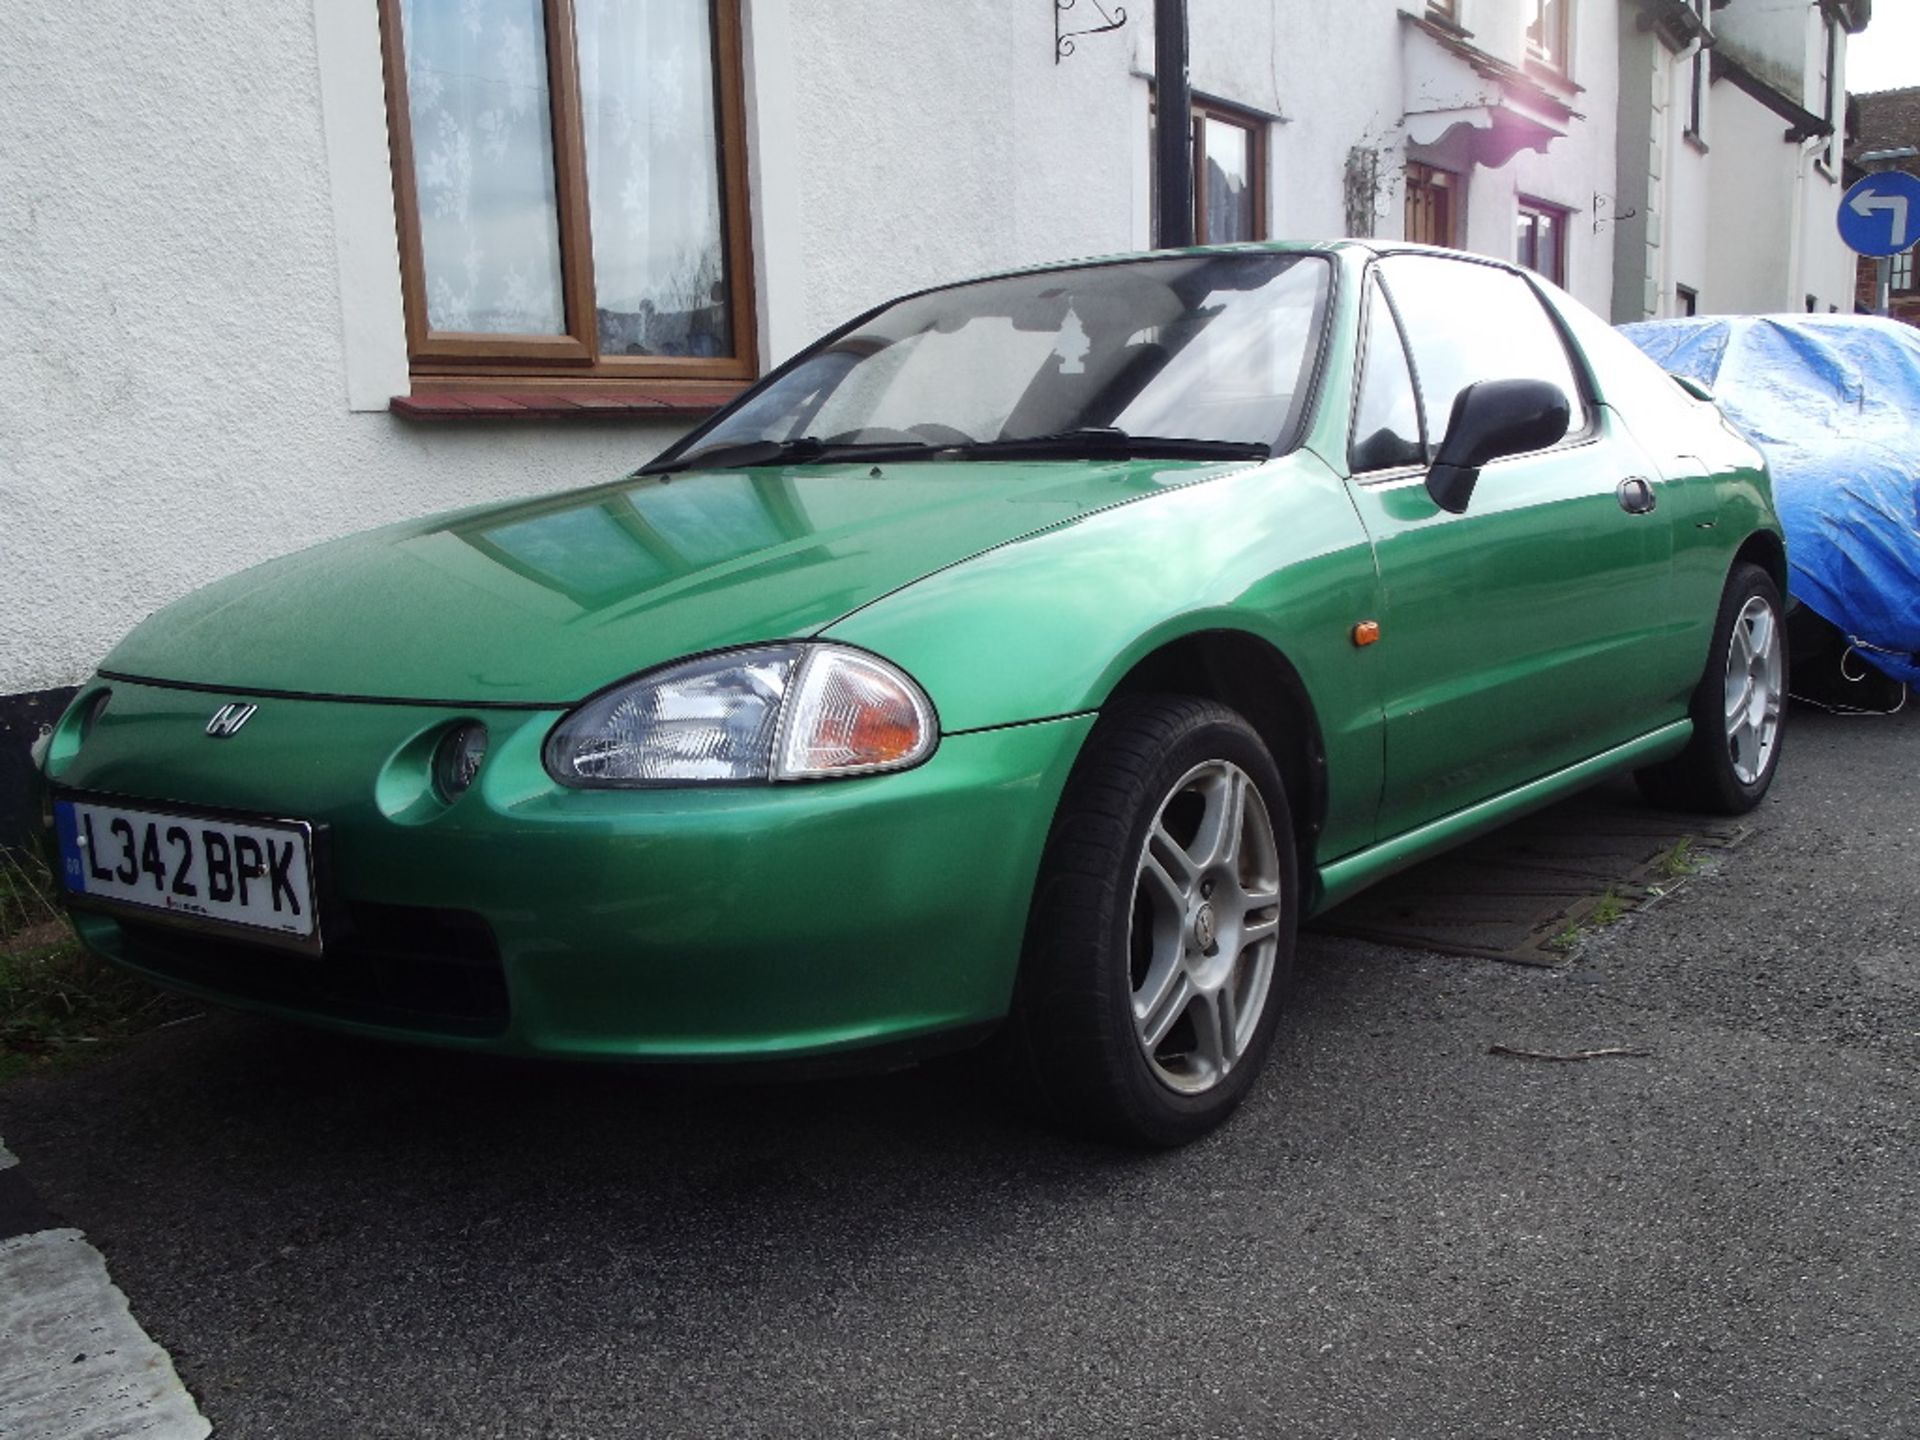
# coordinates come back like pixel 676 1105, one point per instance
pixel 1881 215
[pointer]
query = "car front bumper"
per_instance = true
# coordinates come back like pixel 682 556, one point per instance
pixel 737 923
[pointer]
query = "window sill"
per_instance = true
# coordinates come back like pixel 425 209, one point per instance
pixel 681 400
pixel 1553 75
pixel 1449 24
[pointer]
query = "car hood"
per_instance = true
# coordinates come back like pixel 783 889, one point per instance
pixel 545 601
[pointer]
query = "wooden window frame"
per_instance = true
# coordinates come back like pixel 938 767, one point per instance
pixel 1255 127
pixel 1203 108
pixel 1537 210
pixel 1424 175
pixel 1551 51
pixel 574 356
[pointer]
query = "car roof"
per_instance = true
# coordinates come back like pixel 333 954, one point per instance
pixel 1365 245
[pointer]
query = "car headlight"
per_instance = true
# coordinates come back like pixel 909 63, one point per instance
pixel 776 712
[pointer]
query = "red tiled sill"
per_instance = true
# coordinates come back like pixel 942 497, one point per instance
pixel 684 401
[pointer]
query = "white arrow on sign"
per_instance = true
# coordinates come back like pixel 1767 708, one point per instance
pixel 1866 202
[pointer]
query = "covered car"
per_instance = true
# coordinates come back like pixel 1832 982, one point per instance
pixel 1833 401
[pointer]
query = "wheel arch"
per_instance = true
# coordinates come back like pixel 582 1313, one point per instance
pixel 1250 675
pixel 1767 550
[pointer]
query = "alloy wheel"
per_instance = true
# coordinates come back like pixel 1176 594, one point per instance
pixel 1205 926
pixel 1755 690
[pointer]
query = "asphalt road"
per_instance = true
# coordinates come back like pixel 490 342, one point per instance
pixel 1400 1234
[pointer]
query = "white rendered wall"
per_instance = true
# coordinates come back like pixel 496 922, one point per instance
pixel 1785 195
pixel 945 142
pixel 199 322
pixel 1687 256
pixel 1826 267
pixel 173 380
pixel 1580 166
pixel 1335 72
pixel 1752 202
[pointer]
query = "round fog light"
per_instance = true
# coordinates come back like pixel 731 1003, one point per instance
pixel 457 759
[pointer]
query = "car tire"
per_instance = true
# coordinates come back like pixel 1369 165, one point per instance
pixel 1162 929
pixel 1738 709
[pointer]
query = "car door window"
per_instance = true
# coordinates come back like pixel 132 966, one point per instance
pixel 1386 418
pixel 1468 322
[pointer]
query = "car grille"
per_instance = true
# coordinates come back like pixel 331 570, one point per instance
pixel 400 965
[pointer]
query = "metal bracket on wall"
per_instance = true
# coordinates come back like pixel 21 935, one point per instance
pixel 1603 203
pixel 1063 38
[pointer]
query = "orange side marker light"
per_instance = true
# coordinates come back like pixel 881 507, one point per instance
pixel 1367 632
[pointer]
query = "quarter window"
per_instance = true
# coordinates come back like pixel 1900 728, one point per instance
pixel 569 184
pixel 1468 322
pixel 1386 418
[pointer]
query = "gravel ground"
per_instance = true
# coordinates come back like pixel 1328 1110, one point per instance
pixel 1400 1234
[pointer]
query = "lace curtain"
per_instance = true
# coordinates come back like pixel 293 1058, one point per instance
pixel 483 165
pixel 484 171
pixel 653 176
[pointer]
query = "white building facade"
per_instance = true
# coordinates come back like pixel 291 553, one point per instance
pixel 1731 133
pixel 274 272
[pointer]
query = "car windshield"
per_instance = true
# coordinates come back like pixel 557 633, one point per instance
pixel 1188 355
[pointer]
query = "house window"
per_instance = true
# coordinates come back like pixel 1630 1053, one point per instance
pixel 1540 240
pixel 1901 271
pixel 1547 33
pixel 1229 175
pixel 1686 301
pixel 570 187
pixel 1229 200
pixel 1432 211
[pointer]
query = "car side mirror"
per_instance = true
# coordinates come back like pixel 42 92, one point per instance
pixel 1491 419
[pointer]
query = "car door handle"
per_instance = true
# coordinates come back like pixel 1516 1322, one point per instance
pixel 1636 495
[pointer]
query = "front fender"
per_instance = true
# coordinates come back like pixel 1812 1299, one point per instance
pixel 1050 624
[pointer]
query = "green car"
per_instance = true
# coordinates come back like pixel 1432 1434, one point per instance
pixel 1024 660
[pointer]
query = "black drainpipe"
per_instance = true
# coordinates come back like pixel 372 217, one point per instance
pixel 1173 147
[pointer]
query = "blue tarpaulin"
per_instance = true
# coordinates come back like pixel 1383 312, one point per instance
pixel 1833 401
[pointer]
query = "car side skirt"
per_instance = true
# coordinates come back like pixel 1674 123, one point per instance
pixel 1350 875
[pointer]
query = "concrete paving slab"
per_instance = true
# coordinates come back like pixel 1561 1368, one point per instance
pixel 74 1363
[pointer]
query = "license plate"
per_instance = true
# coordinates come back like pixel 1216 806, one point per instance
pixel 252 874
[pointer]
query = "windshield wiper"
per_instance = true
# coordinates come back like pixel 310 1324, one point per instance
pixel 806 450
pixel 1110 442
